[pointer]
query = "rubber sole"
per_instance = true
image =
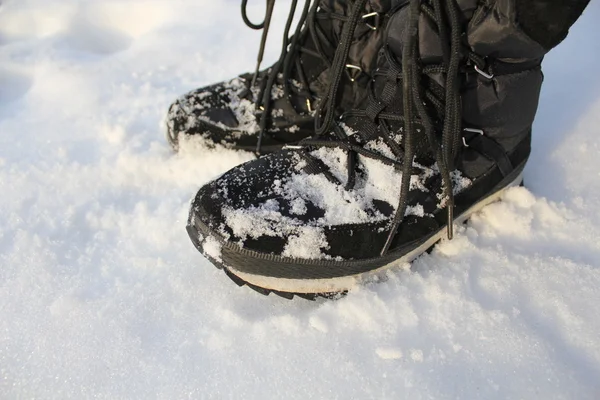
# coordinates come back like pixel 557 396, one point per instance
pixel 313 289
pixel 194 234
pixel 286 295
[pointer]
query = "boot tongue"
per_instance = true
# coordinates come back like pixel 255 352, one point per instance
pixel 430 46
pixel 396 36
pixel 395 39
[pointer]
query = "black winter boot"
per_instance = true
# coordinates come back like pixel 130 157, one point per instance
pixel 263 111
pixel 445 130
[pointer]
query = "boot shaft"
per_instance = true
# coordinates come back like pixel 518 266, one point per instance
pixel 500 96
pixel 512 37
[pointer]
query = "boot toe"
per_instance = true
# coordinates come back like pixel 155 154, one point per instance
pixel 218 114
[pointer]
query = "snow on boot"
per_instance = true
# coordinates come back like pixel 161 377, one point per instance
pixel 446 129
pixel 263 111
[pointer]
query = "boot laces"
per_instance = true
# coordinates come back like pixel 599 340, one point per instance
pixel 288 58
pixel 420 101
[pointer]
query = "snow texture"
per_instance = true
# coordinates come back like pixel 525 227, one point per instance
pixel 212 248
pixel 306 239
pixel 103 296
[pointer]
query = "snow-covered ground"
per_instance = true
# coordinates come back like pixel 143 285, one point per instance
pixel 102 295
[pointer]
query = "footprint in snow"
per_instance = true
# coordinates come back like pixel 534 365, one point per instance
pixel 110 27
pixel 96 37
pixel 18 23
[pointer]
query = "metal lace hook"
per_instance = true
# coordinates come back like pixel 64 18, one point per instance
pixel 371 15
pixel 471 130
pixel 484 74
pixel 357 71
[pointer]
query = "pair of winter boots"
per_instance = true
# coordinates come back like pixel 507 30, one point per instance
pixel 381 125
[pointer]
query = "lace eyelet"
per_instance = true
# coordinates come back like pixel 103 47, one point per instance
pixel 483 73
pixel 471 130
pixel 375 16
pixel 353 71
pixel 309 106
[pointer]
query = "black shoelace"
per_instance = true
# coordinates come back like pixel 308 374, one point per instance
pixel 419 102
pixel 288 58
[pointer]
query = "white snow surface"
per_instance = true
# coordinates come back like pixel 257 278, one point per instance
pixel 102 294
